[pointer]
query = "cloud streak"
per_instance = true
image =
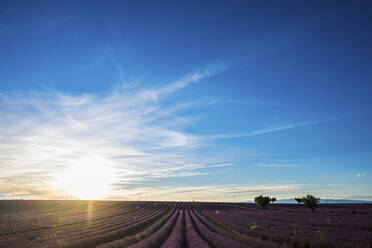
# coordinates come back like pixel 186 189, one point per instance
pixel 279 165
pixel 210 192
pixel 274 129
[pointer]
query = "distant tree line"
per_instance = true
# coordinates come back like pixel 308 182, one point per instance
pixel 309 201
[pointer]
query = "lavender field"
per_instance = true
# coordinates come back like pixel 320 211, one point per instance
pixel 181 224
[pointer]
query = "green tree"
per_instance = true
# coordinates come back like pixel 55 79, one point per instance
pixel 263 201
pixel 299 200
pixel 311 202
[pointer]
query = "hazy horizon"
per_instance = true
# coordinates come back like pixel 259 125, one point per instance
pixel 186 100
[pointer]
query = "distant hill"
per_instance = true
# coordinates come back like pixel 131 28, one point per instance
pixel 292 200
pixel 331 201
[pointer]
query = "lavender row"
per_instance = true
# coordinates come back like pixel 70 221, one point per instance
pixel 160 235
pixel 251 230
pixel 30 237
pixel 193 239
pixel 95 225
pixel 128 240
pixel 215 239
pixel 296 216
pixel 292 235
pixel 315 234
pixel 176 239
pixel 250 241
pixel 118 233
pixel 42 238
pixel 32 221
pixel 109 227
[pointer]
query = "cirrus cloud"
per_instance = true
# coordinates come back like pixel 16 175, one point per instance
pixel 44 132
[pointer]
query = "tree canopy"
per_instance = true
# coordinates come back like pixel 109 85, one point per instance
pixel 263 201
pixel 310 201
pixel 299 200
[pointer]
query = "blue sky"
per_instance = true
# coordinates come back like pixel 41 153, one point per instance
pixel 185 100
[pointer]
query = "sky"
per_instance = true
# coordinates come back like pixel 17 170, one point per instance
pixel 185 100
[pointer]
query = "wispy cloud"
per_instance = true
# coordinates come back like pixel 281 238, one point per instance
pixel 211 192
pixel 279 165
pixel 128 130
pixel 275 129
pixel 360 175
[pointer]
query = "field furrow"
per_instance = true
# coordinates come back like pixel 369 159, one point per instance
pixel 193 238
pixel 177 239
pixel 146 232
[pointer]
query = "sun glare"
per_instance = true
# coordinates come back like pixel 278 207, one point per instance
pixel 88 178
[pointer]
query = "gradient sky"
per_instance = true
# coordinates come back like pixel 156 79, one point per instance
pixel 187 100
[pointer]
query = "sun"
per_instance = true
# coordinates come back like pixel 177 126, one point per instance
pixel 87 178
